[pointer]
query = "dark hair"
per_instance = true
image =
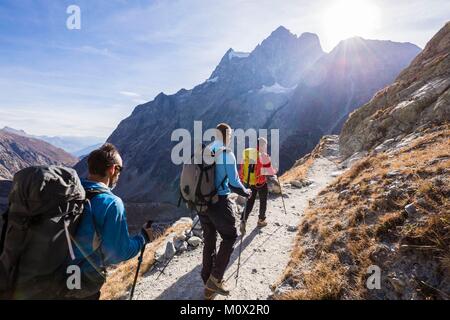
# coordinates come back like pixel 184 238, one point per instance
pixel 101 159
pixel 222 128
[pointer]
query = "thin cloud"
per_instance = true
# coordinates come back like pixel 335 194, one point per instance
pixel 130 94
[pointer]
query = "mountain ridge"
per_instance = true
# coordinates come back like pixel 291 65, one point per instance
pixel 18 152
pixel 71 144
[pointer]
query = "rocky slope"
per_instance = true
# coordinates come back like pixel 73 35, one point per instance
pixel 419 95
pixel 267 88
pixel 18 152
pixel 388 208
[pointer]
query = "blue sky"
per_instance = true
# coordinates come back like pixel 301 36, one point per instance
pixel 56 81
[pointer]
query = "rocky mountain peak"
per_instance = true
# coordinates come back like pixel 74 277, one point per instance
pixel 280 33
pixel 281 58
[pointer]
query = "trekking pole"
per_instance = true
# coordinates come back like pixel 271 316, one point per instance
pixel 244 220
pixel 240 245
pixel 141 257
pixel 282 196
pixel 168 262
pixel 137 271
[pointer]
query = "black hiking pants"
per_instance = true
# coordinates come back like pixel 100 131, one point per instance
pixel 262 191
pixel 218 219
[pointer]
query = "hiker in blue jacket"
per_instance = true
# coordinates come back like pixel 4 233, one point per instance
pixel 102 238
pixel 219 217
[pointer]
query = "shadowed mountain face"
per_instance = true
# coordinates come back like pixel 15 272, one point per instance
pixel 338 83
pixel 286 82
pixel 18 152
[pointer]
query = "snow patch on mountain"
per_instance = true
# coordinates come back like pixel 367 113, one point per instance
pixel 276 88
pixel 235 54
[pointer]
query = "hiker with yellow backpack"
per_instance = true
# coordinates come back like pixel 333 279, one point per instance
pixel 254 170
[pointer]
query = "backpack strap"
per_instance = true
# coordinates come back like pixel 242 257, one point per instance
pixel 90 194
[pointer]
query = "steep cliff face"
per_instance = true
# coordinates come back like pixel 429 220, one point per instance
pixel 286 83
pixel 419 95
pixel 18 152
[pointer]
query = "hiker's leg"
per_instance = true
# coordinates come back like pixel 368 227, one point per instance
pixel 250 203
pixel 263 191
pixel 209 238
pixel 224 222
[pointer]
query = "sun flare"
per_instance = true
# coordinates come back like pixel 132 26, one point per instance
pixel 348 18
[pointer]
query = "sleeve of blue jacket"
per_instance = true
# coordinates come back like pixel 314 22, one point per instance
pixel 232 172
pixel 117 245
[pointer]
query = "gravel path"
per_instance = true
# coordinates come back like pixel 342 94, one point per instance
pixel 265 251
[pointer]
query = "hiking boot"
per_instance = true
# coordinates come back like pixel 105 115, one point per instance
pixel 262 223
pixel 216 287
pixel 209 294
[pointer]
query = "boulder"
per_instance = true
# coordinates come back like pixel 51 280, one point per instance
pixel 184 220
pixel 194 241
pixel 410 209
pixel 170 250
pixel 198 233
pixel 183 246
pixel 180 237
pixel 297 184
pixel 301 183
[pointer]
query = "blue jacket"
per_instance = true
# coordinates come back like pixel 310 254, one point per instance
pixel 108 213
pixel 226 168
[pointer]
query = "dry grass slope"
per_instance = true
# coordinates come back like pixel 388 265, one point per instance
pixel 360 220
pixel 120 278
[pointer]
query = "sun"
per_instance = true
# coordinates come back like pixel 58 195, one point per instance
pixel 348 18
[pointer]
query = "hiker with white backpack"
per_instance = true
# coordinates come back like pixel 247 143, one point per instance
pixel 220 217
pixel 205 185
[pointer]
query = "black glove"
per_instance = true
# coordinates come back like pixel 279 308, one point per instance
pixel 147 232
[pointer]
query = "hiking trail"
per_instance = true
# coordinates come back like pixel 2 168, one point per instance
pixel 265 252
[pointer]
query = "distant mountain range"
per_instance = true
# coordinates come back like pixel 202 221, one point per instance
pixel 286 82
pixel 20 151
pixel 77 146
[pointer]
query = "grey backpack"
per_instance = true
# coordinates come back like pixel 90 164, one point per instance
pixel 197 181
pixel 45 205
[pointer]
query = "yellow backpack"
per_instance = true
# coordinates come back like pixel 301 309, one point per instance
pixel 250 158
